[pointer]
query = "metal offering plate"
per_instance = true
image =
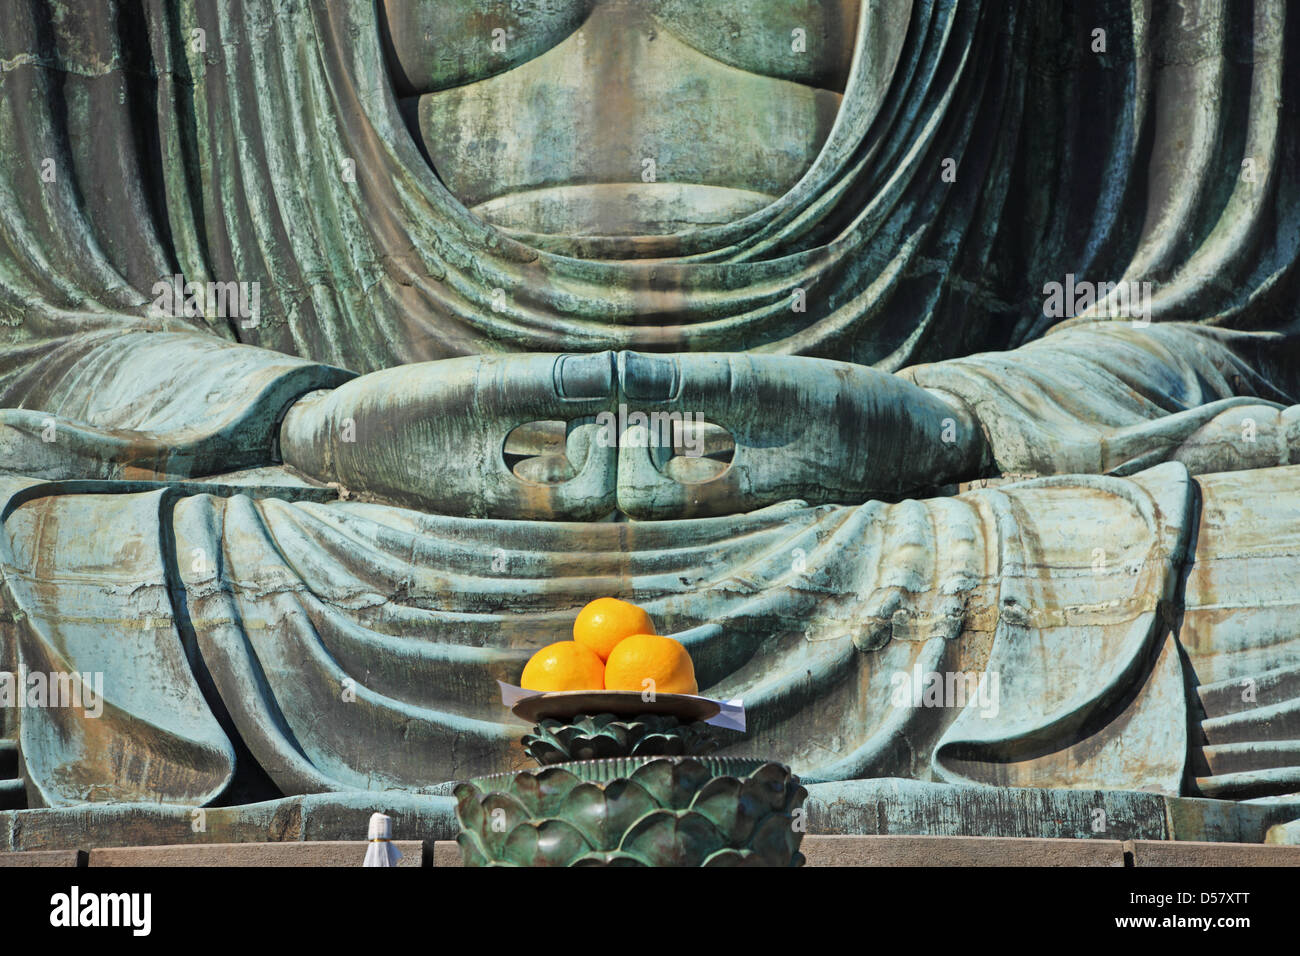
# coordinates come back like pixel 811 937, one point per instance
pixel 563 705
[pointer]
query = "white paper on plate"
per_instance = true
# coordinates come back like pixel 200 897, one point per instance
pixel 732 715
pixel 511 695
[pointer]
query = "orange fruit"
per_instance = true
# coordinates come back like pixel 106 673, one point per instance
pixel 565 665
pixel 606 621
pixel 644 657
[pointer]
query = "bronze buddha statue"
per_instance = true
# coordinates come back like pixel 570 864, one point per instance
pixel 302 546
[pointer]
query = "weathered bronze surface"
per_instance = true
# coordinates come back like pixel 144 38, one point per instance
pixel 667 811
pixel 598 736
pixel 929 369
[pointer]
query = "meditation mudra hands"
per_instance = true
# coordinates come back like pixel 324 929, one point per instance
pixel 651 435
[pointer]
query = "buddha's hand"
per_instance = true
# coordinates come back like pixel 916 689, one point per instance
pixel 433 436
pixel 806 428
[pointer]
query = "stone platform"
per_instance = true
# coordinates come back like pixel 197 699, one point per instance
pixel 891 851
pixel 882 808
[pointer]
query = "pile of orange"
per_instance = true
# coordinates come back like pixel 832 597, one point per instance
pixel 614 647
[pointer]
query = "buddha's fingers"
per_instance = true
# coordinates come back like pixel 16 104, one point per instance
pixel 433 436
pixel 802 428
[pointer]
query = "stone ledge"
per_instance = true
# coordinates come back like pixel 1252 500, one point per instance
pixel 446 853
pixel 1189 853
pixel 820 850
pixel 925 851
pixel 959 851
pixel 321 853
pixel 44 858
pixel 907 850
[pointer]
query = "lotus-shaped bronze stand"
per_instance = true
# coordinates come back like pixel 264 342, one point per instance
pixel 607 735
pixel 653 800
